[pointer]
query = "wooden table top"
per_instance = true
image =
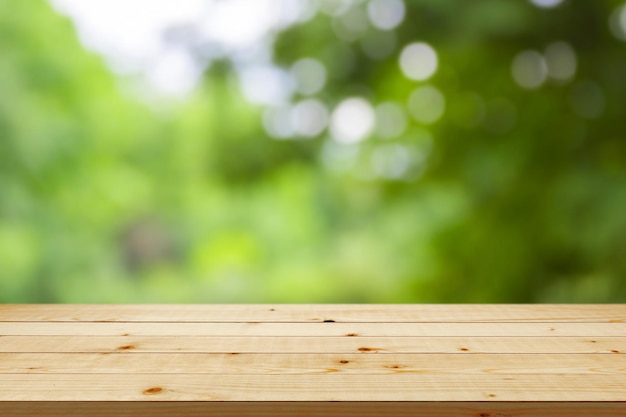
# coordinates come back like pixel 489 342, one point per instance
pixel 313 360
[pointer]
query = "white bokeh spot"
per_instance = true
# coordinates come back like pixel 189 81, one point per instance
pixel 546 4
pixel 418 61
pixel 386 14
pixel 352 120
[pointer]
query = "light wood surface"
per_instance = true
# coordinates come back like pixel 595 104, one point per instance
pixel 307 363
pixel 294 313
pixel 333 386
pixel 304 344
pixel 313 360
pixel 312 329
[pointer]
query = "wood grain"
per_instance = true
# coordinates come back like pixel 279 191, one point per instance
pixel 292 313
pixel 313 360
pixel 313 329
pixel 302 364
pixel 311 387
pixel 291 344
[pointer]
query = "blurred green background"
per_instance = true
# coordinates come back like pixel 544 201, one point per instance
pixel 422 151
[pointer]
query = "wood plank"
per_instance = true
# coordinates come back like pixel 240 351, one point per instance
pixel 391 313
pixel 311 409
pixel 460 360
pixel 288 344
pixel 312 387
pixel 314 329
pixel 303 364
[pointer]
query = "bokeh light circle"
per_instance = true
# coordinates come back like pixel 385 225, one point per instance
pixel 386 14
pixel 427 104
pixel 529 69
pixel 418 61
pixel 352 120
pixel 309 75
pixel 546 4
pixel 309 118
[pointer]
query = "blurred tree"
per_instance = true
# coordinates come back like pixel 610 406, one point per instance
pixel 68 138
pixel 432 151
pixel 533 147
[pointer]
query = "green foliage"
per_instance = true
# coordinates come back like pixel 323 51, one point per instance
pixel 513 195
